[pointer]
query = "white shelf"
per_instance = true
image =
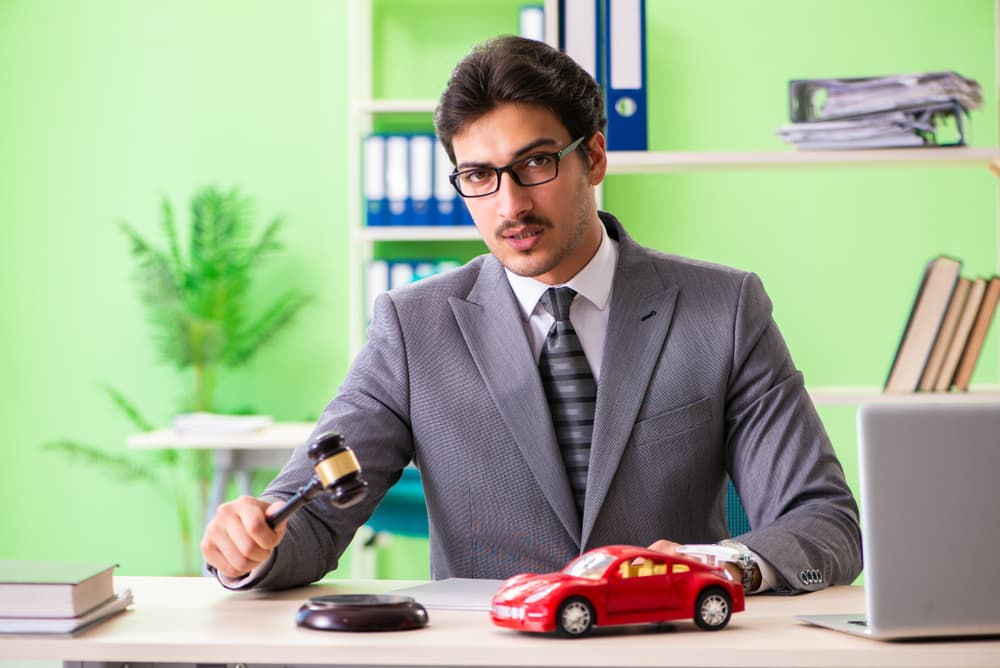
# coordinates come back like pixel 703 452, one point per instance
pixel 365 107
pixel 853 396
pixel 652 162
pixel 419 233
pixel 642 162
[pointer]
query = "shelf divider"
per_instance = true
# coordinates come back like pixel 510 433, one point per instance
pixel 828 395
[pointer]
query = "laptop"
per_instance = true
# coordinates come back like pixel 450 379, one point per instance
pixel 930 521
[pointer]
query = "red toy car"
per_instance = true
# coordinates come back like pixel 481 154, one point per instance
pixel 618 584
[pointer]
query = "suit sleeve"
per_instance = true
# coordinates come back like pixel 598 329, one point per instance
pixel 803 514
pixel 371 410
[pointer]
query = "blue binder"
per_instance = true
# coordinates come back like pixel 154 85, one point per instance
pixel 625 75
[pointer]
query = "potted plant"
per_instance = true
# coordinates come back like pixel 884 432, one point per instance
pixel 198 302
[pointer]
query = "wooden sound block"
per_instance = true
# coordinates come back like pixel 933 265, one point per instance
pixel 361 612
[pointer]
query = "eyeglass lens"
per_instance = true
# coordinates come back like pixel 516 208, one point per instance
pixel 531 171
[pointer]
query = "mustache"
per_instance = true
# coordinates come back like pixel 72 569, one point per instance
pixel 528 219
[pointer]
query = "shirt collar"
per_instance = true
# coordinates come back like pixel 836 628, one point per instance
pixel 593 281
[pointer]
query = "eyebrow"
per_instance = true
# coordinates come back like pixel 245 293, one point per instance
pixel 519 153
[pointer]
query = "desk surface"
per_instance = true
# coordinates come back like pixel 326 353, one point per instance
pixel 195 620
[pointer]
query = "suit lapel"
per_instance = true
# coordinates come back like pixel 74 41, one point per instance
pixel 490 322
pixel 642 308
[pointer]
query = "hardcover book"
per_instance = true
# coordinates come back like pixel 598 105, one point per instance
pixel 926 316
pixel 978 334
pixel 961 335
pixel 53 588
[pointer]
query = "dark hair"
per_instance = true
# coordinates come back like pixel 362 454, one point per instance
pixel 511 69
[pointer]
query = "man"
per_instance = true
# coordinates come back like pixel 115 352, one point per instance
pixel 694 384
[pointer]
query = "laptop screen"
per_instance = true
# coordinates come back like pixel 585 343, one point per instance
pixel 929 516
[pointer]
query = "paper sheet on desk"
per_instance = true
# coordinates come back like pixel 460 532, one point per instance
pixel 453 594
pixel 216 424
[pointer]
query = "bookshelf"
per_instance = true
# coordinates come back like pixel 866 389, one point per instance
pixel 364 108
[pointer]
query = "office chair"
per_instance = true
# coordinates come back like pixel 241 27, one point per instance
pixel 402 512
pixel 736 516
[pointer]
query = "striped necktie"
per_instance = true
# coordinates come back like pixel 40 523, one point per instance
pixel 570 389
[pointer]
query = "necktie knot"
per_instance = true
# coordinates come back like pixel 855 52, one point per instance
pixel 557 302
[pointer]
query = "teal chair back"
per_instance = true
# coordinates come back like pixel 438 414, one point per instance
pixel 402 511
pixel 736 516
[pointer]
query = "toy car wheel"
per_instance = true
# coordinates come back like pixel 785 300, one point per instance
pixel 575 617
pixel 713 609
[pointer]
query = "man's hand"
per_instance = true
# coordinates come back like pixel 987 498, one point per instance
pixel 670 547
pixel 238 539
pixel 665 546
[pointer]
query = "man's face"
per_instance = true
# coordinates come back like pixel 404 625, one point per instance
pixel 548 231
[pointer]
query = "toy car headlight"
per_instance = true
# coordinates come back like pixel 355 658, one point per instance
pixel 541 593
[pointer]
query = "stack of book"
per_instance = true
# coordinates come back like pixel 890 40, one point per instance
pixel 922 109
pixel 56 597
pixel 944 333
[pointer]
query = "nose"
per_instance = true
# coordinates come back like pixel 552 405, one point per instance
pixel 512 200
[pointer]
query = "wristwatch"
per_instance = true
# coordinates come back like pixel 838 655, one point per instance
pixel 747 563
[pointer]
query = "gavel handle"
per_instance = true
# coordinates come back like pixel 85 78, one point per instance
pixel 304 494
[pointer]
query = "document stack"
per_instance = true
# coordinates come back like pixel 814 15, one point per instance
pixel 923 109
pixel 945 331
pixel 56 597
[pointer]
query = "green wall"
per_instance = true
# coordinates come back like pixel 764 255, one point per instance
pixel 108 105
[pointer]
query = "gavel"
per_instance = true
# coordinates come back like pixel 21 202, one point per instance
pixel 338 477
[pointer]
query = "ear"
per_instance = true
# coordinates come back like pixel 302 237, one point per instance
pixel 598 154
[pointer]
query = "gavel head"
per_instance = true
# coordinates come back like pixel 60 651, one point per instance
pixel 338 469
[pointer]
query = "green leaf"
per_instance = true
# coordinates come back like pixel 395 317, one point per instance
pixel 128 408
pixel 276 318
pixel 120 467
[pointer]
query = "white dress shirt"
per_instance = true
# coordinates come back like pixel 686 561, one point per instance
pixel 588 315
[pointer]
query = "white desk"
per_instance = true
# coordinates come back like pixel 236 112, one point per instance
pixel 193 620
pixel 233 455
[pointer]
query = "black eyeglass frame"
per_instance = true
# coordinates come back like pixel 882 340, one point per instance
pixel 509 169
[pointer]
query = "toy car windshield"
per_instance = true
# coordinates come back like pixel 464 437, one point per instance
pixel 591 565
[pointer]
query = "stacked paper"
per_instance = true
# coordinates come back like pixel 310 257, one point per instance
pixel 877 112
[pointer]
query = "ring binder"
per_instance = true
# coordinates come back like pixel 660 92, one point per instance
pixel 625 74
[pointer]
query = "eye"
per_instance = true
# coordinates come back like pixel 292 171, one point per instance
pixel 475 176
pixel 538 161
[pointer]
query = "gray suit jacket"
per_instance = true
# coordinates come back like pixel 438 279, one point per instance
pixel 696 383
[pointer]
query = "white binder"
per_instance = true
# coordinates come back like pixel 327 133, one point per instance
pixel 444 193
pixel 374 185
pixel 580 34
pixel 397 179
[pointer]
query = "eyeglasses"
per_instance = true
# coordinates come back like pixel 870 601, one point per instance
pixel 533 170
